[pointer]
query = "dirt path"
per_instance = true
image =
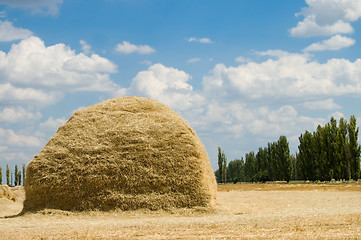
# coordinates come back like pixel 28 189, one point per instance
pixel 241 214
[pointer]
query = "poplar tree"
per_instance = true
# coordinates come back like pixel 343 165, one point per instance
pixel 16 175
pixel 220 164
pixel 7 175
pixel 1 175
pixel 354 148
pixel 24 174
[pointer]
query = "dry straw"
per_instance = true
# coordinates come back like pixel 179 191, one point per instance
pixel 124 153
pixel 5 192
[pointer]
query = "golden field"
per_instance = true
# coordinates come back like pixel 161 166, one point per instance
pixel 244 211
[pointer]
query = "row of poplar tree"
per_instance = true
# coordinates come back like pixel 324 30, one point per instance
pixel 331 152
pixel 15 178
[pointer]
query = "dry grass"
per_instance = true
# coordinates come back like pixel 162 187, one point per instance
pixel 125 153
pixel 249 211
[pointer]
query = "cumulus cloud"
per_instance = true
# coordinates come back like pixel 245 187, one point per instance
pixel 18 114
pixel 289 76
pixel 166 84
pixel 200 40
pixel 327 104
pixel 28 96
pixel 45 7
pixel 52 124
pixel 334 43
pixel 127 48
pixel 327 17
pixel 10 138
pixel 10 33
pixel 193 60
pixel 57 67
pixel 85 47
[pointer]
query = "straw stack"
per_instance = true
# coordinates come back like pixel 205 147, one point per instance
pixel 124 153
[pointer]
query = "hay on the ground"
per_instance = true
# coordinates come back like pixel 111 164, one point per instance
pixel 5 192
pixel 126 153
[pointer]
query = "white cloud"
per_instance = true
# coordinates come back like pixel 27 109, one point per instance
pixel 200 40
pixel 57 67
pixel 241 59
pixel 10 138
pixel 85 47
pixel 327 17
pixel 166 84
pixel 289 76
pixel 127 48
pixel 52 124
pixel 47 7
pixel 18 114
pixel 28 96
pixel 193 60
pixel 334 43
pixel 10 33
pixel 327 104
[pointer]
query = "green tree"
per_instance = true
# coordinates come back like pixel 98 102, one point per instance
pixel 354 148
pixel 24 173
pixel 224 167
pixel 1 175
pixel 19 178
pixel 220 164
pixel 262 165
pixel 16 175
pixel 250 167
pixel 235 171
pixel 7 175
pixel 284 159
pixel 306 156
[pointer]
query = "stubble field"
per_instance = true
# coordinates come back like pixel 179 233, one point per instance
pixel 244 211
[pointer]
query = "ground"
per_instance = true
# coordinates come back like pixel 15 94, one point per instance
pixel 244 211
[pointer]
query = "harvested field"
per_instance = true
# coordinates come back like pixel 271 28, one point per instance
pixel 245 211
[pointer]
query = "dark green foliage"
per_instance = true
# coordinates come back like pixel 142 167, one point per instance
pixel 235 171
pixel 24 173
pixel 331 152
pixel 222 166
pixel 1 175
pixel 16 175
pixel 19 179
pixel 7 175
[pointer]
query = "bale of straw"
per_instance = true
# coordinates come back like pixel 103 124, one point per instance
pixel 124 153
pixel 5 192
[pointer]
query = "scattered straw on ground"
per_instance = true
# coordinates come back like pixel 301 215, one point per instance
pixel 268 214
pixel 5 192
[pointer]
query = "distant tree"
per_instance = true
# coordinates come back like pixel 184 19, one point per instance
pixel 19 178
pixel 1 175
pixel 24 173
pixel 235 171
pixel 354 148
pixel 284 159
pixel 262 161
pixel 16 175
pixel 220 164
pixel 224 167
pixel 250 167
pixel 218 177
pixel 7 175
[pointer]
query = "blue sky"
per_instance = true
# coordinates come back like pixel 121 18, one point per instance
pixel 242 73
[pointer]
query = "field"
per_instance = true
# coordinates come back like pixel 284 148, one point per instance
pixel 244 211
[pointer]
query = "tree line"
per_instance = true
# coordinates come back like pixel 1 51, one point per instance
pixel 14 178
pixel 331 152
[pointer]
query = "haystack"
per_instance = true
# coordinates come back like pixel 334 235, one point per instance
pixel 5 192
pixel 124 153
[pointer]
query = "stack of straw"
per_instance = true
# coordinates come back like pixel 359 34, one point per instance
pixel 124 153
